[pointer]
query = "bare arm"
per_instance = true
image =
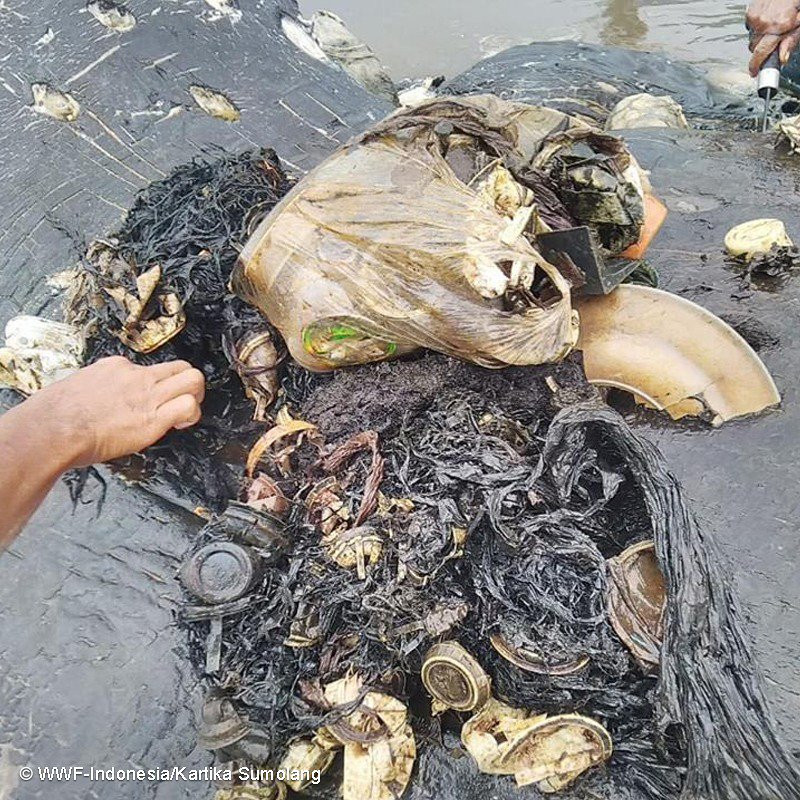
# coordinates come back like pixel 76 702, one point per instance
pixel 104 411
pixel 773 24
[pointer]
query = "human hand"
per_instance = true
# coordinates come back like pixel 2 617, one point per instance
pixel 113 407
pixel 772 24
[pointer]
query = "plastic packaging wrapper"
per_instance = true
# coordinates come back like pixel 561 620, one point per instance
pixel 646 111
pixel 421 233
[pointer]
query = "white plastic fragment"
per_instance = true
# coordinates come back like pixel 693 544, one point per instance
pixel 789 132
pixel 46 38
pixel 214 103
pixel 226 8
pixel 302 759
pixel 54 103
pixel 419 92
pixel 646 111
pixel 379 744
pixel 485 277
pixel 755 237
pixel 551 752
pixel 38 352
pixel 114 16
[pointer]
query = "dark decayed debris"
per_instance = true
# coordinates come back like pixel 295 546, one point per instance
pixel 192 226
pixel 769 271
pixel 514 509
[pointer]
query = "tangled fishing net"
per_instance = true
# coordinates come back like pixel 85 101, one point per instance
pixel 430 500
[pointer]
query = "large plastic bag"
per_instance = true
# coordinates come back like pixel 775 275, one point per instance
pixel 385 248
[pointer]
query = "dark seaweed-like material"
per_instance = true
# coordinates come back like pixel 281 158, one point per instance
pixel 546 497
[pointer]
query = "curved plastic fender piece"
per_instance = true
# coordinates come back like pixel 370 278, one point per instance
pixel 672 355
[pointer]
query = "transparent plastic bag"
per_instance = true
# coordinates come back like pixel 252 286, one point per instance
pixel 421 232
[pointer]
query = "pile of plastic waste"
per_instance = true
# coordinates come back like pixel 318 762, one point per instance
pixel 407 551
pixel 504 560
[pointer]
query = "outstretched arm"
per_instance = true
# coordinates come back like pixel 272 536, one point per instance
pixel 107 410
pixel 772 24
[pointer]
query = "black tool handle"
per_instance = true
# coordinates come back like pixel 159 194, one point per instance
pixel 769 75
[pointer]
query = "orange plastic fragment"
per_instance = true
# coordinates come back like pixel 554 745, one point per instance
pixel 273 435
pixel 655 212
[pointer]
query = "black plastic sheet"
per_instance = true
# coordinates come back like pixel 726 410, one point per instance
pixel 709 684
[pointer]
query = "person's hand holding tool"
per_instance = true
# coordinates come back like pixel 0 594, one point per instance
pixel 773 25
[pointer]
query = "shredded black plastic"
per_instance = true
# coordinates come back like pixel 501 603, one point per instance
pixel 545 496
pixel 520 493
pixel 769 271
pixel 709 686
pixel 193 224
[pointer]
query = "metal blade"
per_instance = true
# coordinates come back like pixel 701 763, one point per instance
pixel 765 118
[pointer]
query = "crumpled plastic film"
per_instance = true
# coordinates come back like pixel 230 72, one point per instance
pixel 38 352
pixel 383 249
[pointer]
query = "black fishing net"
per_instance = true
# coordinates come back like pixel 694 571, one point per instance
pixel 489 503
